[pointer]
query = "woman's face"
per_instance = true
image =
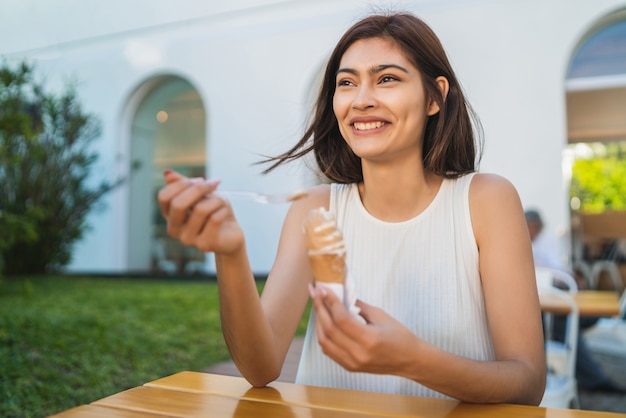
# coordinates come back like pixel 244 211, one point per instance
pixel 380 102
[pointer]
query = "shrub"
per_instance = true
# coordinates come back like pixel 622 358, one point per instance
pixel 599 179
pixel 45 164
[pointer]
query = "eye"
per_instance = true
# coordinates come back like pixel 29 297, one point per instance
pixel 388 78
pixel 344 82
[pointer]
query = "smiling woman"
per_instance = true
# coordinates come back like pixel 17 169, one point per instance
pixel 396 127
pixel 439 255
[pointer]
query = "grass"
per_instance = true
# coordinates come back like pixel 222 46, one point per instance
pixel 67 341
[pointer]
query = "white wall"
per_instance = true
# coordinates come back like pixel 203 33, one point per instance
pixel 253 63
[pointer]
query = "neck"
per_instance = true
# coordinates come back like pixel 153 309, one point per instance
pixel 396 192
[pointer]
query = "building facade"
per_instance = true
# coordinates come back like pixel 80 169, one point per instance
pixel 208 88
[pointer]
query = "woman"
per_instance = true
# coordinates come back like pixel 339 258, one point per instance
pixel 440 255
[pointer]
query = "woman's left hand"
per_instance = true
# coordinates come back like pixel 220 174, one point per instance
pixel 380 345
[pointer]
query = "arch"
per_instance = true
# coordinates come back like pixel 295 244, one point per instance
pixel 596 82
pixel 166 128
pixel 595 96
pixel 602 50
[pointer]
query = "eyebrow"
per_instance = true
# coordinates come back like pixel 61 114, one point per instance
pixel 373 70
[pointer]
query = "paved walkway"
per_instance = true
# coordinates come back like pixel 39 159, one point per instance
pixel 614 366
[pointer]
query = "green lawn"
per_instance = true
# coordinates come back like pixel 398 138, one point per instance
pixel 66 341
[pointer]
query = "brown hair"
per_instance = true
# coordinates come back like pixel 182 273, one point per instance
pixel 450 146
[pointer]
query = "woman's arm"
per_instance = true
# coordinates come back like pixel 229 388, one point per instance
pixel 258 331
pixel 509 285
pixel 383 345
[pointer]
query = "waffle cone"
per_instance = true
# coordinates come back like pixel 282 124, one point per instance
pixel 327 252
pixel 328 268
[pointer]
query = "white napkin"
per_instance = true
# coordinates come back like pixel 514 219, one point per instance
pixel 345 292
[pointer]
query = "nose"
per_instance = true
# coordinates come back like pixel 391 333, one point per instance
pixel 364 98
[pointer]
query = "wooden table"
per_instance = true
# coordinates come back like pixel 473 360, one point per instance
pixel 589 302
pixel 193 394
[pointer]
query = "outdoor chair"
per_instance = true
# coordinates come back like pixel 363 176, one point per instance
pixel 608 264
pixel 561 385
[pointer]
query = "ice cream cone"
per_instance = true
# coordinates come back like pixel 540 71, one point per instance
pixel 327 252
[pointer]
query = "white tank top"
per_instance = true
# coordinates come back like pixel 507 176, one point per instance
pixel 423 272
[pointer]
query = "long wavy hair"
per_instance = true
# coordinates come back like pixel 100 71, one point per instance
pixel 451 148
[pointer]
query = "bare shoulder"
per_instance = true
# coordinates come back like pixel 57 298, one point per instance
pixel 494 203
pixel 317 196
pixel 487 186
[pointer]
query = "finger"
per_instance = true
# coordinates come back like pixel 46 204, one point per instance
pixel 336 326
pixel 321 302
pixel 341 316
pixel 221 230
pixel 200 214
pixel 316 298
pixel 369 313
pixel 324 322
pixel 183 202
pixel 172 176
pixel 169 192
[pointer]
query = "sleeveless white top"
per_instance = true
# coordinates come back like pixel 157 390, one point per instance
pixel 423 272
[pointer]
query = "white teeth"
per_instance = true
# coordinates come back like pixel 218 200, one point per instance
pixel 367 126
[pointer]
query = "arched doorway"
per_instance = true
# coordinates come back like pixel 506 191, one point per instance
pixel 596 152
pixel 168 131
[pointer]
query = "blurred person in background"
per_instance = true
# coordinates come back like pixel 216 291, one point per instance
pixel 589 373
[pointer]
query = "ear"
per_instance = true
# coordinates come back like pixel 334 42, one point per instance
pixel 444 86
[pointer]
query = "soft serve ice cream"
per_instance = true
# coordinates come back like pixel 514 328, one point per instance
pixel 327 254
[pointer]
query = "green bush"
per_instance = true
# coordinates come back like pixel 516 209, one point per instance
pixel 599 181
pixel 45 162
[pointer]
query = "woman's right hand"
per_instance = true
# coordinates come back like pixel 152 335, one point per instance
pixel 197 218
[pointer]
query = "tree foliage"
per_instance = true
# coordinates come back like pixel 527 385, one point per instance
pixel 600 181
pixel 45 163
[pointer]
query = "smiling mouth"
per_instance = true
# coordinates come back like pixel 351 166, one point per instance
pixel 367 126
